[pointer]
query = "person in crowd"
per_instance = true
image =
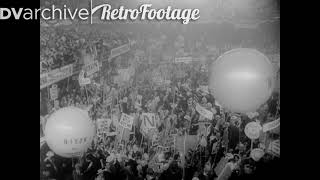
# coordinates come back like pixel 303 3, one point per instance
pixel 90 168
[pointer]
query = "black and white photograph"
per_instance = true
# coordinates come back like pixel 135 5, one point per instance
pixel 158 89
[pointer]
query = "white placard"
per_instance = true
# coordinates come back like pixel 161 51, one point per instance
pixel 126 121
pixel 148 120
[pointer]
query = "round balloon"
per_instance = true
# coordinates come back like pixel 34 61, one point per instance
pixel 241 80
pixel 69 132
pixel 256 154
pixel 252 130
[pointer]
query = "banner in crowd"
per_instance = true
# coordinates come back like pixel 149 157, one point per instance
pixel 119 50
pixel 56 75
pixel 204 112
pixel 183 60
pixel 126 121
pixel 92 68
pixel 271 125
pixel 54 92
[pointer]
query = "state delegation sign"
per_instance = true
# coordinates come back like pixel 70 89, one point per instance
pixel 148 120
pixel 126 121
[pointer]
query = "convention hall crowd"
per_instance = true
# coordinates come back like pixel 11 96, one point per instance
pixel 162 73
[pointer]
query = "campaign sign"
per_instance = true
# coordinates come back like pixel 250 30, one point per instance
pixel 126 121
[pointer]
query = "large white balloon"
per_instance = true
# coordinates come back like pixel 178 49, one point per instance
pixel 69 132
pixel 241 80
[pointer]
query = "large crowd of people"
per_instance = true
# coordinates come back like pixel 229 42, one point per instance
pixel 155 82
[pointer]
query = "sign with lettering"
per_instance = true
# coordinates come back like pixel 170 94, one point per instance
pixel 92 68
pixel 56 75
pixel 126 121
pixel 119 50
pixel 149 120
